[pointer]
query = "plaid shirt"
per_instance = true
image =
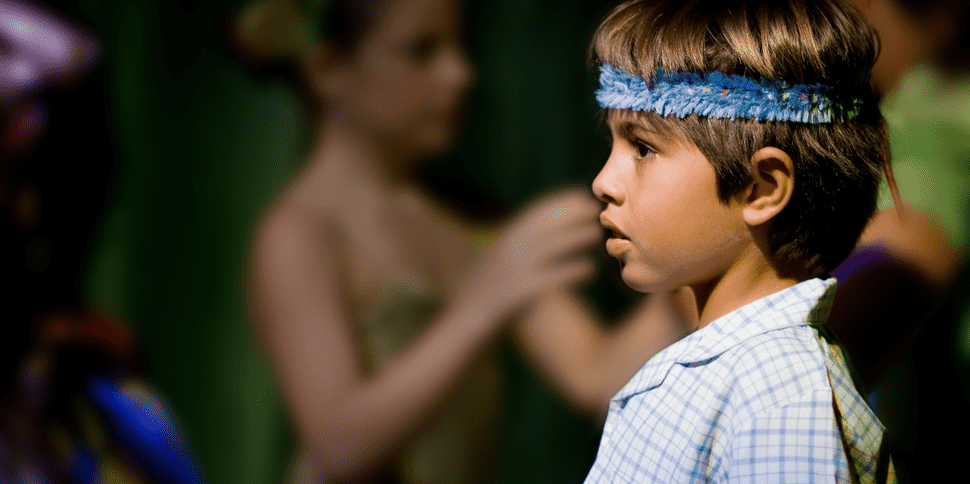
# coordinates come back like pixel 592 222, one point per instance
pixel 747 398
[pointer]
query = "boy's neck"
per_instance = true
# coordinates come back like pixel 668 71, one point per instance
pixel 750 278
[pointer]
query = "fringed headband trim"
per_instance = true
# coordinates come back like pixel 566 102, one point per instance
pixel 718 95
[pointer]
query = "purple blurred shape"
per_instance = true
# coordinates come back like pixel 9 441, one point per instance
pixel 37 48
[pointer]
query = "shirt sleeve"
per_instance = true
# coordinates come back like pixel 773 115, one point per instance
pixel 795 443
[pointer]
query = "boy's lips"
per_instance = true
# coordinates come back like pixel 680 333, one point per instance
pixel 618 241
pixel 609 225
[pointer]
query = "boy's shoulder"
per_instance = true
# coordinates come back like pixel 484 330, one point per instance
pixel 772 357
pixel 776 369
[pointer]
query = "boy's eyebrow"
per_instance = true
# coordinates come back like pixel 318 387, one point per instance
pixel 624 128
pixel 629 129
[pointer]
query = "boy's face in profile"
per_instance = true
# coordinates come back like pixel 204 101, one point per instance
pixel 670 229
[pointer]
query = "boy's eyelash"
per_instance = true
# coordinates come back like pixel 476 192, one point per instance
pixel 643 149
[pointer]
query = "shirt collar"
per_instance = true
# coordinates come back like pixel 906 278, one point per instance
pixel 806 303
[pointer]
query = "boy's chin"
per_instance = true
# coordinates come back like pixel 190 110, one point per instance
pixel 645 283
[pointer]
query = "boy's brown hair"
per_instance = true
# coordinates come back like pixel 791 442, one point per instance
pixel 837 165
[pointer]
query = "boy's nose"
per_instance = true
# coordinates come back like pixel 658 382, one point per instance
pixel 605 186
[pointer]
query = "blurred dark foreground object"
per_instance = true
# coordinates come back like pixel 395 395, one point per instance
pixel 72 409
pixel 78 413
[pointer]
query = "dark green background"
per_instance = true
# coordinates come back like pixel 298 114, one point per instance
pixel 203 146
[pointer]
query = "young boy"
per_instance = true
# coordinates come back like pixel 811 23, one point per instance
pixel 747 151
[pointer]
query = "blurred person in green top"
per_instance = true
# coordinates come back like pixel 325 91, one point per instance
pixel 914 253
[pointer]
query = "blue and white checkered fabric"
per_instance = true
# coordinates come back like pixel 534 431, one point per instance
pixel 759 395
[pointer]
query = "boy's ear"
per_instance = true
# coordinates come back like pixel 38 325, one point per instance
pixel 772 184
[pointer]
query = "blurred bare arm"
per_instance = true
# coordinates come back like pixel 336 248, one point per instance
pixel 353 422
pixel 588 361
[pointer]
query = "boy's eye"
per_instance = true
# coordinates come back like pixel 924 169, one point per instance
pixel 643 149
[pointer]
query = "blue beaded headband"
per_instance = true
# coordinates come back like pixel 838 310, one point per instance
pixel 718 95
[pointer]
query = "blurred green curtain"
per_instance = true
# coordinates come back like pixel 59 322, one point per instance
pixel 205 145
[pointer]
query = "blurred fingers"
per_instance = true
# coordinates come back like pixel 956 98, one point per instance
pixel 567 242
pixel 572 272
